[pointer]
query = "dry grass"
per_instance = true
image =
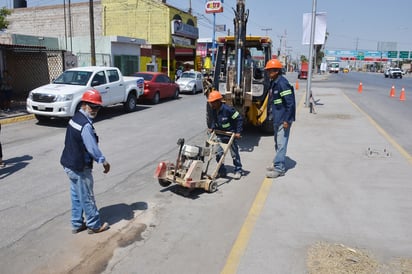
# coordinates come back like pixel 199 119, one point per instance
pixel 326 258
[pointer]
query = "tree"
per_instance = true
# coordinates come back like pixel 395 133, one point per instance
pixel 319 52
pixel 303 59
pixel 4 12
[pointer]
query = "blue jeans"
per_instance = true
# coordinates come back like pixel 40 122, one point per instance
pixel 234 152
pixel 281 145
pixel 82 196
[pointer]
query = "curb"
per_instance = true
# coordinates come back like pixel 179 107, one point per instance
pixel 16 119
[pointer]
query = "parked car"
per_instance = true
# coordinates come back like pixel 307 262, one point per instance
pixel 157 86
pixel 393 73
pixel 62 97
pixel 190 81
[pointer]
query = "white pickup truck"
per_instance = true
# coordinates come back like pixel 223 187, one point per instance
pixel 62 97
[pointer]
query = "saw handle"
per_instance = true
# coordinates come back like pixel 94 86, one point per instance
pixel 180 142
pixel 221 132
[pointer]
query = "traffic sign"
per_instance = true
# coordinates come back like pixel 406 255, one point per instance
pixel 392 54
pixel 404 54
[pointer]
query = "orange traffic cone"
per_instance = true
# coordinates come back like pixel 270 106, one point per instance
pixel 297 85
pixel 402 97
pixel 360 87
pixel 392 94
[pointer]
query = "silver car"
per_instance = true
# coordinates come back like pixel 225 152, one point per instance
pixel 191 82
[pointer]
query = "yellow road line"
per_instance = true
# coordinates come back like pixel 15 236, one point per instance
pixel 242 240
pixel 383 132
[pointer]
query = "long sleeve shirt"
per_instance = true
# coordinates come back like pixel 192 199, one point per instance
pixel 282 101
pixel 90 142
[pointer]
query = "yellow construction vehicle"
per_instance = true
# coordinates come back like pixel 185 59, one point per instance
pixel 239 71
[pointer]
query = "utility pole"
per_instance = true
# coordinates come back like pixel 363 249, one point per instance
pixel 312 41
pixel 356 48
pixel 92 46
pixel 70 27
pixel 266 30
pixel 65 24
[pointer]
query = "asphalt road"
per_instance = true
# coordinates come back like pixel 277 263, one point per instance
pixel 153 229
pixel 389 112
pixel 35 201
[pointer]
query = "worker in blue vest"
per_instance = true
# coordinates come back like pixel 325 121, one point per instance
pixel 283 108
pixel 226 118
pixel 80 151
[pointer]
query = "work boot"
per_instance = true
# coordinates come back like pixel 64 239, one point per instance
pixel 103 227
pixel 79 229
pixel 274 174
pixel 270 168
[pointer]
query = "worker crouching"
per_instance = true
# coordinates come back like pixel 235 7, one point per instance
pixel 226 118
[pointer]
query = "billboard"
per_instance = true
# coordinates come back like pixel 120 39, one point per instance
pixel 214 7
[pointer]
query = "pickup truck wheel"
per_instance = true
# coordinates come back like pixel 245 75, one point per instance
pixel 41 118
pixel 130 104
pixel 156 98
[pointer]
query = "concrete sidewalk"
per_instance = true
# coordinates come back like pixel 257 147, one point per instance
pixel 349 188
pixel 16 113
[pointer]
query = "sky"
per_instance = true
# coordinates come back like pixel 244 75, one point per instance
pixel 351 24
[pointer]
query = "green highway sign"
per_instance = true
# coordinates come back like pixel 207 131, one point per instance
pixel 404 54
pixel 392 54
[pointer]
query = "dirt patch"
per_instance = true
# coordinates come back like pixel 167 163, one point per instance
pixel 97 261
pixel 326 258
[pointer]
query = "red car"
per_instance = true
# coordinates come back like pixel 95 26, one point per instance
pixel 157 86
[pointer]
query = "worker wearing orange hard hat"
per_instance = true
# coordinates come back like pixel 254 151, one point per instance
pixel 80 151
pixel 283 107
pixel 226 118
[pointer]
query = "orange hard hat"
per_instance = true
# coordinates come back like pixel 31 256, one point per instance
pixel 214 96
pixel 92 96
pixel 273 64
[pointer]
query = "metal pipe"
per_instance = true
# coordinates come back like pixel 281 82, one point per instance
pixel 312 40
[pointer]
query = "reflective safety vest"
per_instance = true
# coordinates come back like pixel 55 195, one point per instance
pixel 283 101
pixel 227 119
pixel 74 153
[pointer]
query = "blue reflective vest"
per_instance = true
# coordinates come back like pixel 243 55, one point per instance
pixel 227 119
pixel 74 152
pixel 282 98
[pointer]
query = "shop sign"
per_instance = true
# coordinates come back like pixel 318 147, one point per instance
pixel 181 29
pixel 180 41
pixel 214 7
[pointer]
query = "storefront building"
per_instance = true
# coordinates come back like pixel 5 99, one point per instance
pixel 171 34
